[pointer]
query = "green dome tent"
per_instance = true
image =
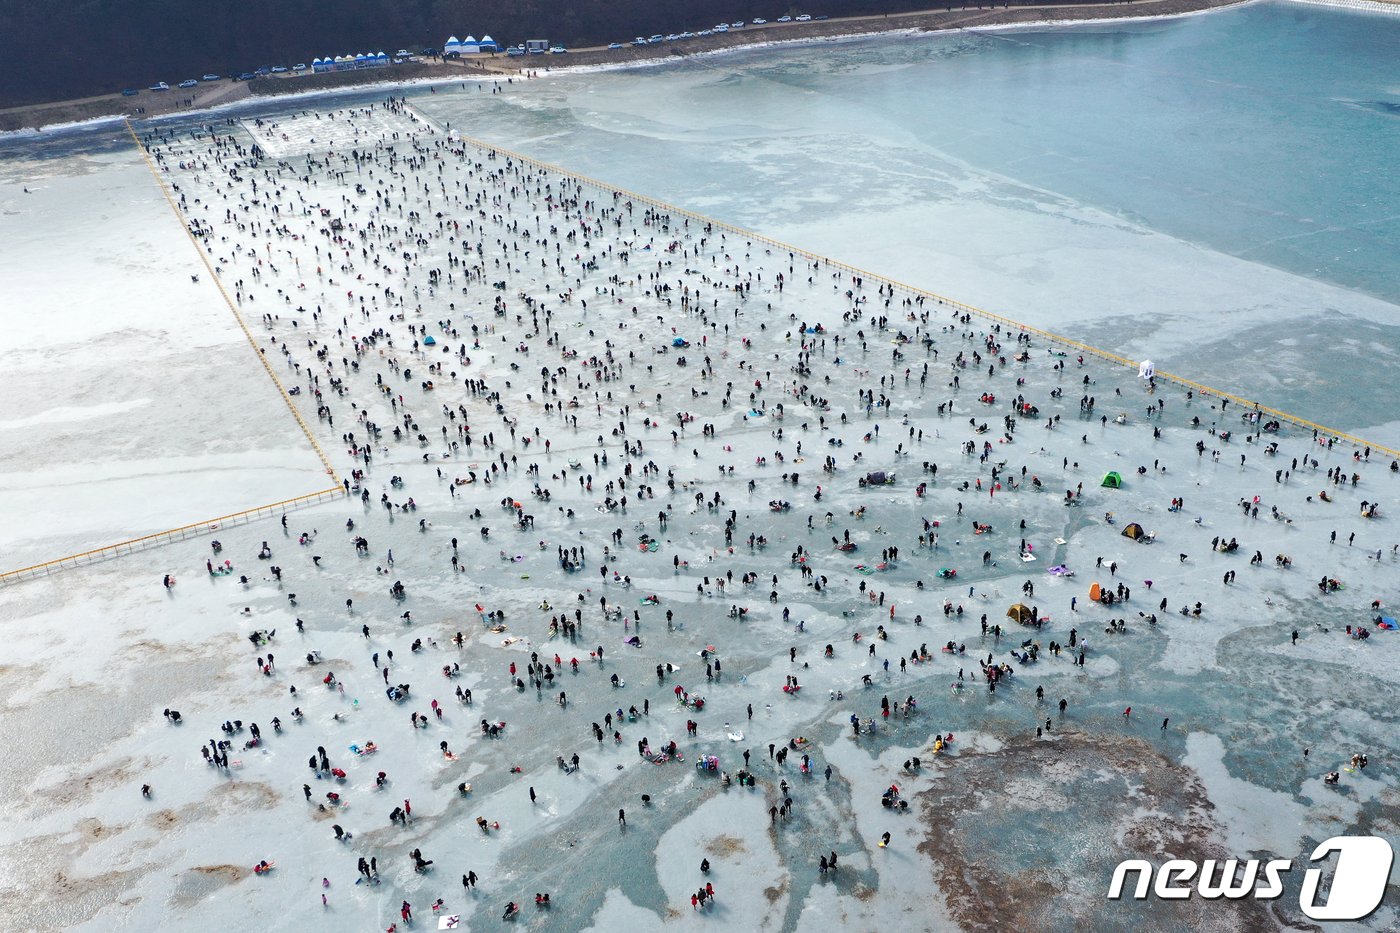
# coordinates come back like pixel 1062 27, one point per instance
pixel 1112 480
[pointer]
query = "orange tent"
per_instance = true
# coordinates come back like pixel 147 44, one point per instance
pixel 1095 592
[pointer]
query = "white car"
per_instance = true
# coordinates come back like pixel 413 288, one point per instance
pixel 300 66
pixel 804 18
pixel 160 86
pixel 736 25
pixel 759 22
pixel 210 78
pixel 615 45
pixel 188 83
pixel 403 53
pixel 784 19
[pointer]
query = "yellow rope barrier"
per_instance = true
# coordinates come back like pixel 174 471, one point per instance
pixel 162 537
pixel 1321 430
pixel 237 315
pixel 172 534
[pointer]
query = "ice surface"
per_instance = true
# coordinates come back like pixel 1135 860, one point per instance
pixel 1151 188
pixel 96 654
pixel 130 378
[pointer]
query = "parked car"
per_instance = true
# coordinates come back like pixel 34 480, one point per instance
pixel 736 25
pixel 160 86
pixel 264 70
pixel 615 45
pixel 403 53
pixel 299 66
pixel 188 83
pixel 210 78
pixel 784 19
pixel 558 50
pixel 658 38
pixel 279 69
pixel 130 92
pixel 247 76
pixel 760 21
pixel 804 18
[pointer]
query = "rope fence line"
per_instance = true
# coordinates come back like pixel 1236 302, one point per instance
pixel 237 315
pixel 158 538
pixel 1322 431
pixel 210 525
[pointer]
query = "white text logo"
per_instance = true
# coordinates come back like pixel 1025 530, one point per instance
pixel 1358 883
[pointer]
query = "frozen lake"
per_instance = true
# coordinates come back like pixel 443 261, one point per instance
pixel 554 380
pixel 133 405
pixel 1155 188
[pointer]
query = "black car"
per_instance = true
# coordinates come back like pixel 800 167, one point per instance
pixel 130 92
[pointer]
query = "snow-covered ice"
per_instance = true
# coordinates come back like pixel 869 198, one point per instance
pixel 131 407
pixel 576 353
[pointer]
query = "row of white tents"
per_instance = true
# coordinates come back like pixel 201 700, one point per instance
pixel 469 46
pixel 349 62
pixel 452 47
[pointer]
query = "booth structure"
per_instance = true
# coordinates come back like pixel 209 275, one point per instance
pixel 471 45
pixel 355 62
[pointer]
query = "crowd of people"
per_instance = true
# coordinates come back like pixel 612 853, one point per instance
pixel 581 375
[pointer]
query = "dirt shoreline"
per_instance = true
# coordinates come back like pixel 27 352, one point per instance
pixel 38 116
pixel 206 97
pixel 926 21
